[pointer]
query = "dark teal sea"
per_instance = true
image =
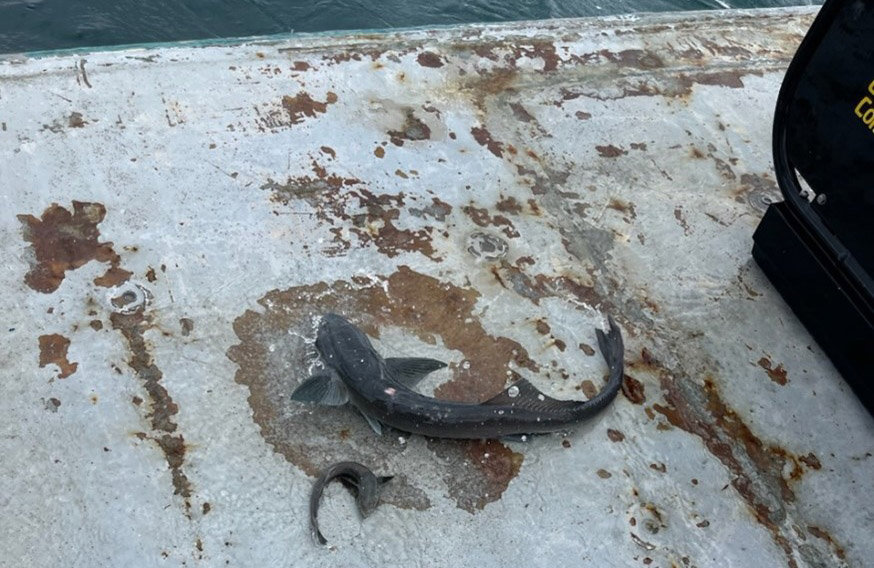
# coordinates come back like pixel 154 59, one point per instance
pixel 32 25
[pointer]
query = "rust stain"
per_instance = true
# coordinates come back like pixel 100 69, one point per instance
pixel 150 275
pixel 542 327
pixel 484 138
pixel 161 415
pixel 604 474
pixel 587 349
pixel 615 435
pixel 413 130
pixel 303 105
pixel 676 87
pixel 481 217
pixel 633 390
pixel 429 59
pixel 96 325
pixel 636 58
pixel 610 151
pixel 387 238
pixel 187 325
pixel 681 220
pixel 761 472
pixel 76 120
pixel 300 66
pixel 811 461
pixel 329 151
pixel 824 535
pixel 438 210
pixel 589 389
pixel 206 508
pixel 509 205
pixel 379 152
pixel 514 277
pixel 521 113
pixel 625 207
pixel 542 49
pixel 53 350
pixel 64 241
pixel 419 304
pixel 371 216
pixel 659 467
pixel 777 374
pixel 750 183
pixel 486 471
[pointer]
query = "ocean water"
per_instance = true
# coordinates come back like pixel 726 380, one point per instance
pixel 31 25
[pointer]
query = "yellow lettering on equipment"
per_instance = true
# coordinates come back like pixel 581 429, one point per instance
pixel 862 104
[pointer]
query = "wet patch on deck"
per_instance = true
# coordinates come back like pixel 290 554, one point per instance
pixel 276 354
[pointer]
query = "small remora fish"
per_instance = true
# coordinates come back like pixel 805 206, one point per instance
pixel 354 475
pixel 381 389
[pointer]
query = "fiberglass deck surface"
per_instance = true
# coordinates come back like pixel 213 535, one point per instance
pixel 174 218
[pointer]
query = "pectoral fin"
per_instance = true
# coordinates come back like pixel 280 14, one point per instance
pixel 374 423
pixel 322 388
pixel 410 370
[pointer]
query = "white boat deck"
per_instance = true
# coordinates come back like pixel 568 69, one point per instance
pixel 174 218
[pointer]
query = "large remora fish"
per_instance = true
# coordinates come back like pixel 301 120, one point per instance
pixel 381 389
pixel 358 478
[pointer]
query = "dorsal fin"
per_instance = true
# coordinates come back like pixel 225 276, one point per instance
pixel 523 394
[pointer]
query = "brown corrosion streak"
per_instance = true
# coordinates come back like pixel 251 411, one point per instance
pixel 64 241
pixel 539 286
pixel 484 138
pixel 53 350
pixel 163 409
pixel 700 410
pixel 422 305
pixel 373 222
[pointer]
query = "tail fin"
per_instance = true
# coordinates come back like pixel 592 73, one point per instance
pixel 613 351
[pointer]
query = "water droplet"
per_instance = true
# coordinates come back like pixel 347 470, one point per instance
pixel 500 412
pixel 402 440
pixel 513 391
pixel 541 397
pixel 271 348
pixel 465 365
pixel 524 438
